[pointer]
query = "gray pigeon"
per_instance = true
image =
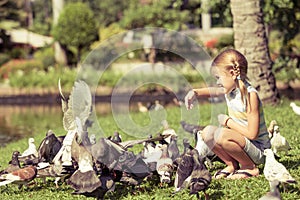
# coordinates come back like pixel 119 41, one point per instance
pixel 273 194
pixel 184 170
pixel 13 164
pixel 274 171
pixel 191 128
pixel 200 177
pixel 173 149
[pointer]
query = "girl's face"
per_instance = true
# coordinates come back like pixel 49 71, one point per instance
pixel 225 79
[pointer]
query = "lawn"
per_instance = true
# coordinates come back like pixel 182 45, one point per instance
pixel 248 189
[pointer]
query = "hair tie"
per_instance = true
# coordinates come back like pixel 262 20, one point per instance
pixel 238 77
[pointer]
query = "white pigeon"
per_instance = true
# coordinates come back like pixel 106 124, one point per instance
pixel 295 108
pixel 278 142
pixel 271 127
pixel 31 150
pixel 274 171
pixel 202 147
pixel 167 131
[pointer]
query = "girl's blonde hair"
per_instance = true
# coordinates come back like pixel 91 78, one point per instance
pixel 233 59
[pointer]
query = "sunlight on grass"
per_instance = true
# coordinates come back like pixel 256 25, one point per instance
pixel 249 189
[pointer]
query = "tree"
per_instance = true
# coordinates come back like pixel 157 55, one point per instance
pixel 250 39
pixel 76 28
pixel 166 14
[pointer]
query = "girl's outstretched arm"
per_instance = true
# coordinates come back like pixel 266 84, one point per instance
pixel 201 92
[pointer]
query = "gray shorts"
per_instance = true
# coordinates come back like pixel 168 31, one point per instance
pixel 254 152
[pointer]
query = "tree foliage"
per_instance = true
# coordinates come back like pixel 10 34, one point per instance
pixel 76 27
pixel 166 14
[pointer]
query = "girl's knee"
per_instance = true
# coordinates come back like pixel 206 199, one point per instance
pixel 208 132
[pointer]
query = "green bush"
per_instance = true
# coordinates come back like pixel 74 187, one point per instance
pixel 46 56
pixel 4 58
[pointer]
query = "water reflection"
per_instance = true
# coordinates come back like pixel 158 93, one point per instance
pixel 23 121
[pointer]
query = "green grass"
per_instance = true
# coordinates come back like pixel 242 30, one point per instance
pixel 248 189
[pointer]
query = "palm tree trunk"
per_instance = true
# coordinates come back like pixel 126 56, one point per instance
pixel 251 40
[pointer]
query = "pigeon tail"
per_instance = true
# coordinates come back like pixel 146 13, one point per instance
pixel 84 181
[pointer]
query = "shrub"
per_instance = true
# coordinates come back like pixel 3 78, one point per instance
pixel 46 56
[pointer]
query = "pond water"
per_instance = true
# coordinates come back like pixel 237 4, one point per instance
pixel 17 122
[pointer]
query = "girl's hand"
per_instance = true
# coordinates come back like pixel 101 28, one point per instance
pixel 188 99
pixel 223 119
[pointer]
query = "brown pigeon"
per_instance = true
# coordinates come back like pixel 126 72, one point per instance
pixel 20 177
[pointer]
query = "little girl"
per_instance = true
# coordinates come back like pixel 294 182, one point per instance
pixel 243 137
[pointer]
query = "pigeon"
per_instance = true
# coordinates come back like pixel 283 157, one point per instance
pixel 13 164
pixel 295 108
pixel 46 169
pixel 164 166
pixel 77 109
pixel 184 170
pixel 274 171
pixel 278 142
pixel 202 147
pixel 156 106
pixel 173 148
pixel 186 148
pixel 134 169
pixel 107 184
pixel 20 176
pixel 190 128
pixel 117 138
pixel 142 108
pixel 85 178
pixel 31 150
pixel 271 128
pixel 273 194
pixel 200 177
pixel 49 147
pixel 149 148
pixel 167 132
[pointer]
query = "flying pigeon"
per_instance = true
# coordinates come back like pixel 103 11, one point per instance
pixel 190 128
pixel 295 108
pixel 273 194
pixel 274 171
pixel 200 177
pixel 31 150
pixel 77 109
pixel 20 177
pixel 164 165
pixel 13 164
pixel 278 142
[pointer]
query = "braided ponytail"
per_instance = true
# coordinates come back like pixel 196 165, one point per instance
pixel 240 83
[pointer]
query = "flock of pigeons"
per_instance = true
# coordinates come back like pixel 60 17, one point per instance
pixel 93 166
